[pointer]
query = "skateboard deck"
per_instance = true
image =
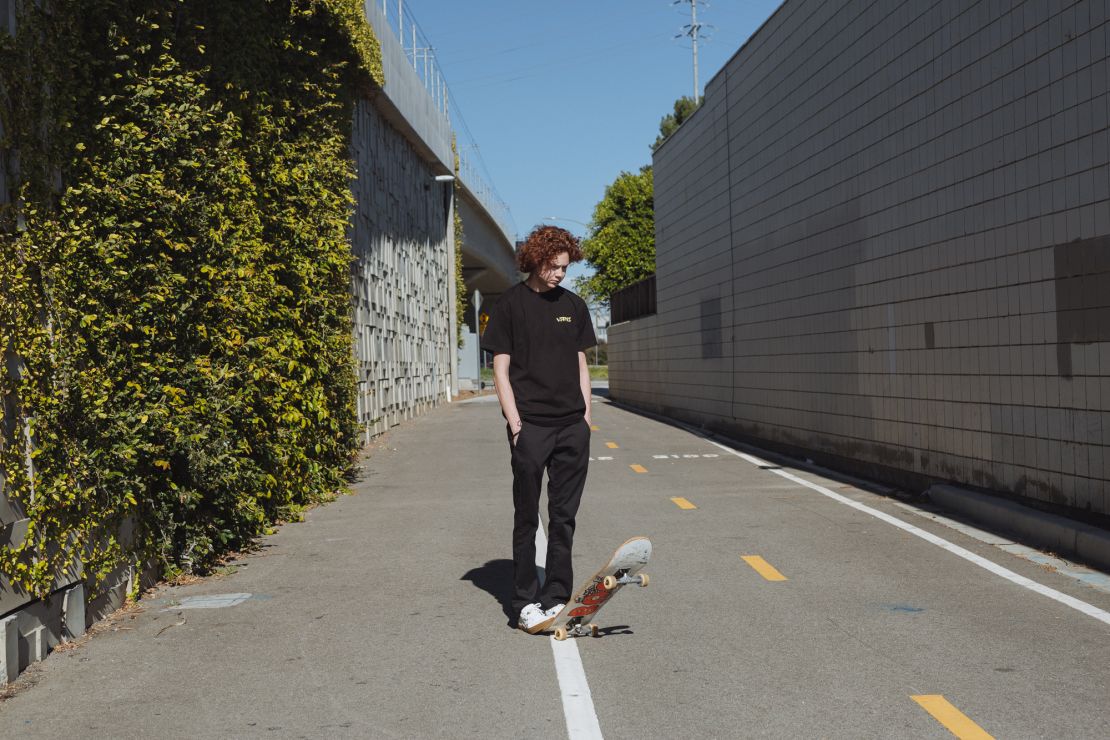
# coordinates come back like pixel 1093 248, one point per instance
pixel 621 570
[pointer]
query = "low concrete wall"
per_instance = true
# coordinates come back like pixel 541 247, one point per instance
pixel 1055 534
pixel 884 243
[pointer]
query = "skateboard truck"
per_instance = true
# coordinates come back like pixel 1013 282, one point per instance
pixel 578 630
pixel 612 582
pixel 608 583
pixel 622 570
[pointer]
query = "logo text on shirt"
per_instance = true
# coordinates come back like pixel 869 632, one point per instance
pixel 563 319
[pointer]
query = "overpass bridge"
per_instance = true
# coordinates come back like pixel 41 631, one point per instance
pixel 412 145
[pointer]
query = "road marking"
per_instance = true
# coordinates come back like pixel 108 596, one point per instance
pixel 1009 575
pixel 638 468
pixel 611 445
pixel 1089 577
pixel 763 568
pixel 595 428
pixel 953 719
pixel 578 702
pixel 682 503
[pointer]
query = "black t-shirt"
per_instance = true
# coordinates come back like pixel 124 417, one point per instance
pixel 542 333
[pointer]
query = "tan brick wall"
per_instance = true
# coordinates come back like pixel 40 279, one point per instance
pixel 884 239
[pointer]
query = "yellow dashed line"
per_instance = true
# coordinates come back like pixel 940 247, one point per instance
pixel 611 445
pixel 682 503
pixel 953 719
pixel 595 427
pixel 638 468
pixel 763 568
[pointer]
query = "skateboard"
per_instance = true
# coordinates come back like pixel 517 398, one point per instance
pixel 576 618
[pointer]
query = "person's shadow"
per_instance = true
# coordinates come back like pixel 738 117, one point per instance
pixel 496 579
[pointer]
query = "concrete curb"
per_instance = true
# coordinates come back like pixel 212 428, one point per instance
pixel 1054 533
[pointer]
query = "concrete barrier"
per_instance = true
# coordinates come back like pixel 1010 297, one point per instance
pixel 1047 531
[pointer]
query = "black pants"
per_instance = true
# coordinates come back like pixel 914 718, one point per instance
pixel 565 453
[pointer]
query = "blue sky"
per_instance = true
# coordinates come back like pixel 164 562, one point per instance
pixel 562 96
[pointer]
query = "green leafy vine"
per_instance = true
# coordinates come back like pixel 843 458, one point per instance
pixel 175 273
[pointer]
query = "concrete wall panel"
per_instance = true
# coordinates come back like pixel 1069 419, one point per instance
pixel 401 278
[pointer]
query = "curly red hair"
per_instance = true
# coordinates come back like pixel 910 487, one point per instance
pixel 543 245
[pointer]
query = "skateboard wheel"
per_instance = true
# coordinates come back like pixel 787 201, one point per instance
pixel 609 583
pixel 644 580
pixel 561 633
pixel 593 630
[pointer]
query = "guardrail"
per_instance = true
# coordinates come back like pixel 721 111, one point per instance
pixel 421 54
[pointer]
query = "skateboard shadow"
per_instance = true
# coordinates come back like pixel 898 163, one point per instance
pixel 496 579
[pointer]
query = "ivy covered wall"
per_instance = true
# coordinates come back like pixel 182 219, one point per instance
pixel 174 274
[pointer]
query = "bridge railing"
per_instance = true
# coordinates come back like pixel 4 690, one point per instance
pixel 421 53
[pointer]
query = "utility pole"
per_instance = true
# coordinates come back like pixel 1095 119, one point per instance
pixel 693 31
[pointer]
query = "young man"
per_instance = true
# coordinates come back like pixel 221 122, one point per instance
pixel 538 333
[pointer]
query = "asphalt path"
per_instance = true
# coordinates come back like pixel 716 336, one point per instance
pixel 781 604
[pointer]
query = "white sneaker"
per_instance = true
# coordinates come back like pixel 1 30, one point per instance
pixel 553 612
pixel 533 619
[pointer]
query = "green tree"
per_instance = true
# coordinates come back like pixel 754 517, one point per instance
pixel 684 107
pixel 621 243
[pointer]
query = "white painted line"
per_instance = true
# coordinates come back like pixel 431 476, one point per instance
pixel 1086 576
pixel 541 553
pixel 1081 606
pixel 578 702
pixel 742 455
pixel 970 531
